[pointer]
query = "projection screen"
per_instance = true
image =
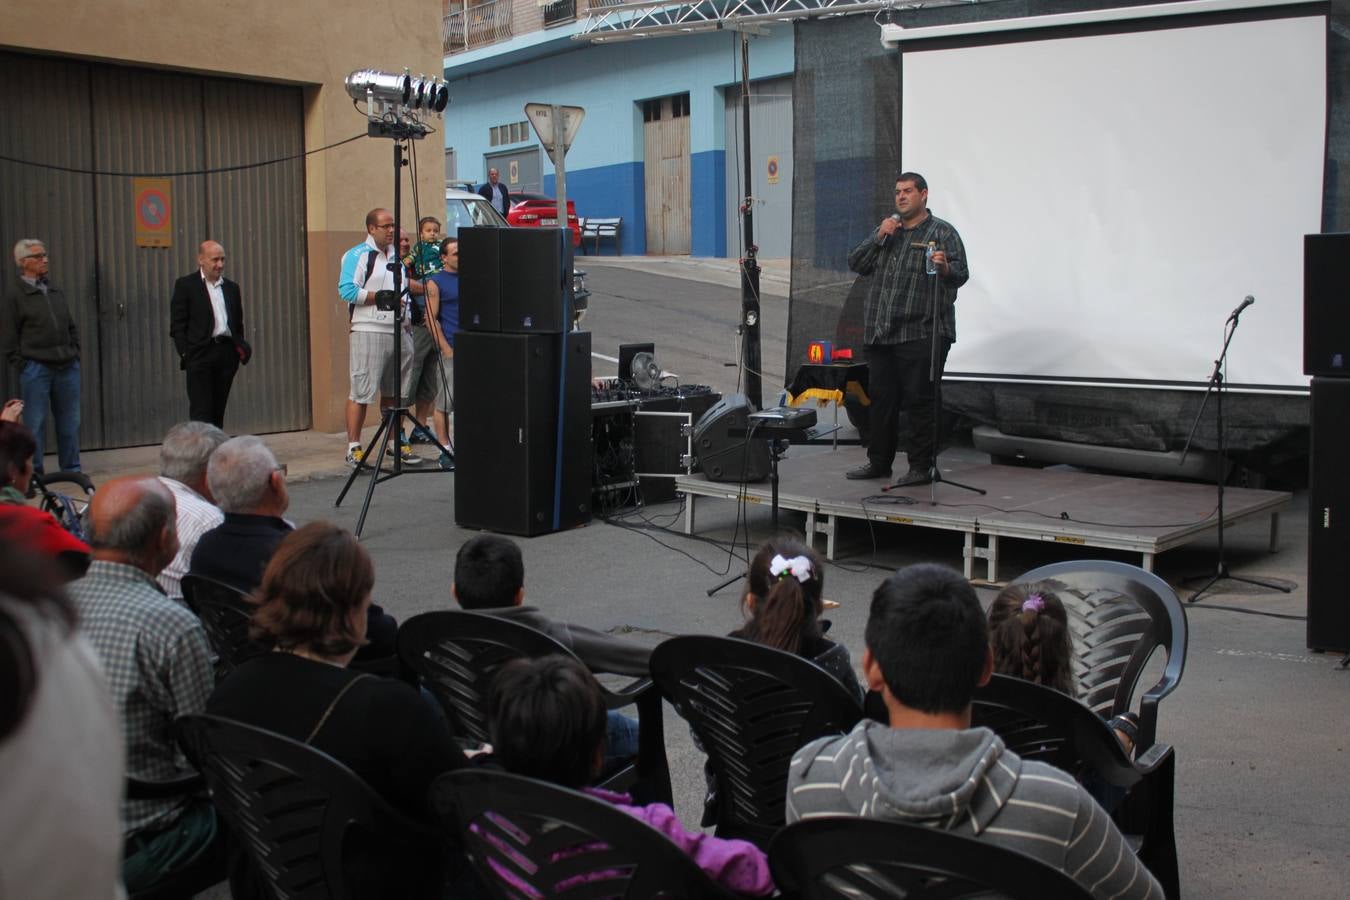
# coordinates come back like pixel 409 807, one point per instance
pixel 1119 192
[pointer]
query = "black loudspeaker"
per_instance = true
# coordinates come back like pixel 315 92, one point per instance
pixel 507 436
pixel 480 279
pixel 1326 312
pixel 1329 516
pixel 536 280
pixel 722 457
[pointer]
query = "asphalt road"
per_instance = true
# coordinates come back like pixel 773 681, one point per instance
pixel 1259 724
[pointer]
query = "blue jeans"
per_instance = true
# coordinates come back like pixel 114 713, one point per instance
pixel 621 739
pixel 42 385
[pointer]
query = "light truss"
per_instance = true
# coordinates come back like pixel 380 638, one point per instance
pixel 628 21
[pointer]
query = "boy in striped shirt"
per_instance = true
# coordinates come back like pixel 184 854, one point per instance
pixel 927 650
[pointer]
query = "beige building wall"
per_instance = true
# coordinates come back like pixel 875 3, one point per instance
pixel 308 43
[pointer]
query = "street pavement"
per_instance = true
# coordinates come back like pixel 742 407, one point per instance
pixel 1259 724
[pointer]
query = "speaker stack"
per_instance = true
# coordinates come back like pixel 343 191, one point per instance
pixel 522 385
pixel 1326 357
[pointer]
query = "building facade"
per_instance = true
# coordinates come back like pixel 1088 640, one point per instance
pixel 661 145
pixel 110 102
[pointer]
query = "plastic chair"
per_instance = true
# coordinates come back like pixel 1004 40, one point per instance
pixel 1119 615
pixel 751 707
pixel 1040 723
pixel 456 654
pixel 225 613
pixel 298 814
pixel 859 859
pixel 527 838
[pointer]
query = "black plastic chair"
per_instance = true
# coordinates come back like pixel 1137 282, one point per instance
pixel 299 814
pixel 1040 723
pixel 1119 615
pixel 869 859
pixel 751 707
pixel 560 843
pixel 456 654
pixel 225 613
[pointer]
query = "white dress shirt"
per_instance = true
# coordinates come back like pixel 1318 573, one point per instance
pixel 215 290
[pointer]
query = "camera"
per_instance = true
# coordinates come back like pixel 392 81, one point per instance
pixel 386 301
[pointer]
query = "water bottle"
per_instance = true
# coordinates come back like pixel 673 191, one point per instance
pixel 929 266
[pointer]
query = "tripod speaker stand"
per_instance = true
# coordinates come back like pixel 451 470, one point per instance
pixel 391 419
pixel 1216 387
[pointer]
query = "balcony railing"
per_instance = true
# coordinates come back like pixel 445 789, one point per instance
pixel 560 11
pixel 478 25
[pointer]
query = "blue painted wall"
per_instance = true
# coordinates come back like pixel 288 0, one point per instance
pixel 604 167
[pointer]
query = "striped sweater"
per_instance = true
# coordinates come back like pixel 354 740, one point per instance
pixel 966 781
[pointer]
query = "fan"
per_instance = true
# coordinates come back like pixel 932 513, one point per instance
pixel 645 372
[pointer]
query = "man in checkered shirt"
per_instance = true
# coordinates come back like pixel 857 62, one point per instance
pixel 158 664
pixel 898 326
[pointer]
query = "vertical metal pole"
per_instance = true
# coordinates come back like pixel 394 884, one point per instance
pixel 750 346
pixel 559 165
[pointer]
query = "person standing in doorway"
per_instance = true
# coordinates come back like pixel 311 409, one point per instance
pixel 496 193
pixel 206 321
pixel 39 339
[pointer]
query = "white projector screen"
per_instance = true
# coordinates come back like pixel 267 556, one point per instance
pixel 1119 194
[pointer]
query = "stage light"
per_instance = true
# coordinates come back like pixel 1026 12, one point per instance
pixel 394 99
pixel 382 86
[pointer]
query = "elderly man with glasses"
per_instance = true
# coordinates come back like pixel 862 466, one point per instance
pixel 39 339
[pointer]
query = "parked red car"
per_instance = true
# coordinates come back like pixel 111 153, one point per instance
pixel 538 211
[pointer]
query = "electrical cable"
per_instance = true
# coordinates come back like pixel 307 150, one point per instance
pixel 214 171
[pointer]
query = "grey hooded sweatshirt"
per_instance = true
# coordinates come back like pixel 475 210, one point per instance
pixel 967 782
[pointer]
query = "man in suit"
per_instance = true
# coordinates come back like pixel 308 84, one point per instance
pixel 206 317
pixel 496 193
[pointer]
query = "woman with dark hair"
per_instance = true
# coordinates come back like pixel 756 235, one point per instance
pixel 30 527
pixel 311 612
pixel 61 748
pixel 783 603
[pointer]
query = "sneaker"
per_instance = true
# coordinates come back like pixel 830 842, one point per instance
pixel 446 462
pixel 866 471
pixel 913 477
pixel 422 435
pixel 355 456
pixel 405 452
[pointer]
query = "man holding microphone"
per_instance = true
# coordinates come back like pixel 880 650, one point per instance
pixel 897 327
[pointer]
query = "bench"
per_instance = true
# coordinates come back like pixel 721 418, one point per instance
pixel 601 228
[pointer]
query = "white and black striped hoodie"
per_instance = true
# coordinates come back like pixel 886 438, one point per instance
pixel 968 782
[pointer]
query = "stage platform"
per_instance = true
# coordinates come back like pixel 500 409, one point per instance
pixel 1140 515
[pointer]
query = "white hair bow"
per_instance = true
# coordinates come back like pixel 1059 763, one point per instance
pixel 799 567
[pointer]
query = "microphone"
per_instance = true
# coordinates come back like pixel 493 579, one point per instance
pixel 886 241
pixel 1246 302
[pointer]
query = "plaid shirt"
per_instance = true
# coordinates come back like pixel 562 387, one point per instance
pixel 159 666
pixel 898 299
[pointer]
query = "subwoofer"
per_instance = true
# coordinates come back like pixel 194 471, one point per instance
pixel 1329 516
pixel 723 457
pixel 523 453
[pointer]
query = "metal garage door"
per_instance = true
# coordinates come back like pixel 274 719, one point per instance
pixel 120 119
pixel 771 166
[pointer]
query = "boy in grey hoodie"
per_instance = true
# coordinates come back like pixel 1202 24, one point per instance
pixel 927 650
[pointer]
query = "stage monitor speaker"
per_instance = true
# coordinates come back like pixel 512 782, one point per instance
pixel 536 280
pixel 480 279
pixel 507 437
pixel 1326 312
pixel 659 445
pixel 722 457
pixel 1329 516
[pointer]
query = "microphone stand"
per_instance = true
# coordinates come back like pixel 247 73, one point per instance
pixel 1216 387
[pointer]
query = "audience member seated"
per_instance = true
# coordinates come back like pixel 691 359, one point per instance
pixel 312 611
pixel 182 467
pixel 60 744
pixel 35 530
pixel 250 485
pixel 158 664
pixel 490 578
pixel 783 604
pixel 547 721
pixel 927 651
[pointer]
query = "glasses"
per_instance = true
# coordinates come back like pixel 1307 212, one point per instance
pixel 282 469
pixel 36 256
pixel 384 225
